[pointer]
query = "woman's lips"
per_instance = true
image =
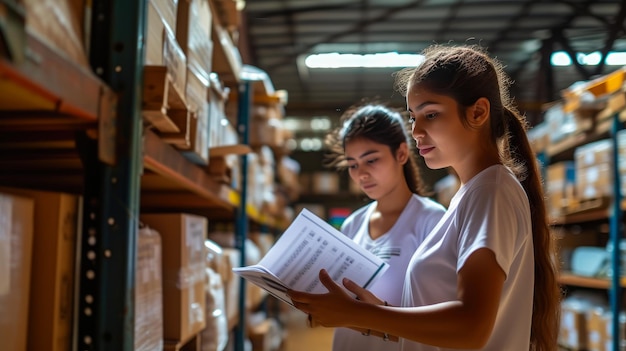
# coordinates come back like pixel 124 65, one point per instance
pixel 367 186
pixel 426 150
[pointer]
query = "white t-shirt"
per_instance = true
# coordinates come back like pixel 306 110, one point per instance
pixel 396 247
pixel 490 211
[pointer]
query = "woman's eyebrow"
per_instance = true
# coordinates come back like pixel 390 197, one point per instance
pixel 366 153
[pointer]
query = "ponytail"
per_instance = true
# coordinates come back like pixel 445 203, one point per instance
pixel 547 295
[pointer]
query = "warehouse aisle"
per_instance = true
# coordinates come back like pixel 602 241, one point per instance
pixel 299 337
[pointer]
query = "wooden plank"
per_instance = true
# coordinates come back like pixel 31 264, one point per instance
pixel 566 278
pixel 46 80
pixel 166 161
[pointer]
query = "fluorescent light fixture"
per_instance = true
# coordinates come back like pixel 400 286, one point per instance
pixel 320 124
pixel 616 59
pixel 561 58
pixel 311 144
pixel 381 60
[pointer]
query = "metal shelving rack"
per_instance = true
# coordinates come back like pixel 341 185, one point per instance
pixel 70 129
pixel 614 215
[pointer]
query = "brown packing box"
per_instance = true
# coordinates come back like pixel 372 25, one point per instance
pixel 59 23
pixel 182 237
pixel 155 29
pixel 167 11
pixel 52 271
pixel 193 32
pixel 594 182
pixel 600 327
pixel 559 186
pixel 164 85
pixel 16 235
pixel 325 182
pixel 148 292
pixel 231 284
pixel 573 328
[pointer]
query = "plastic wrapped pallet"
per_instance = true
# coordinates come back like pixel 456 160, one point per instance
pixel 148 292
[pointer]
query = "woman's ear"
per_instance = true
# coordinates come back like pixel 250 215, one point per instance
pixel 479 112
pixel 402 154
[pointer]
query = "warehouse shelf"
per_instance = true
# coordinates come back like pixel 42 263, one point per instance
pixel 567 278
pixel 67 128
pixel 564 148
pixel 45 81
pixel 168 170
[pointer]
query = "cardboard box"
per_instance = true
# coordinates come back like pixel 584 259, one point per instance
pixel 231 284
pixel 600 327
pixel 193 32
pixel 559 186
pixel 59 23
pixel 164 85
pixel 148 292
pixel 155 30
pixel 325 182
pixel 167 11
pixel 573 327
pixel 16 235
pixel 52 271
pixel 182 237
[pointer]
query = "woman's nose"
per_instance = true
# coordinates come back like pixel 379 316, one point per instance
pixel 361 173
pixel 416 131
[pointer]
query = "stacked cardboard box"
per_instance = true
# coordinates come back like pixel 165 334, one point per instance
pixel 16 235
pixel 184 276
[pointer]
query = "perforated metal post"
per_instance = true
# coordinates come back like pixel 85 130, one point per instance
pixel 615 236
pixel 111 195
pixel 243 121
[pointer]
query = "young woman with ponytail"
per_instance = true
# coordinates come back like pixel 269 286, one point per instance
pixel 484 278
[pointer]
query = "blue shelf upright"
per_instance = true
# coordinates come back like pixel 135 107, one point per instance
pixel 112 167
pixel 242 220
pixel 615 237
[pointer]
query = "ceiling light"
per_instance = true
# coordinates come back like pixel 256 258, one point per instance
pixel 387 59
pixel 320 124
pixel 561 58
pixel 616 59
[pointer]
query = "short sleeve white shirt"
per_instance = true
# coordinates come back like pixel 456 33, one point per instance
pixel 490 211
pixel 396 247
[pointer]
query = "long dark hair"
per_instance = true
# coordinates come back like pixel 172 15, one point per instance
pixel 381 125
pixel 467 73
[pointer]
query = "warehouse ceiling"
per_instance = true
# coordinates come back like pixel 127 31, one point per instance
pixel 277 36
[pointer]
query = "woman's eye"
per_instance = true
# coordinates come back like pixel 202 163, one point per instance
pixel 432 115
pixel 351 166
pixel 372 161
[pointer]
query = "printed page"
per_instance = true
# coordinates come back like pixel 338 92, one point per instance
pixel 308 245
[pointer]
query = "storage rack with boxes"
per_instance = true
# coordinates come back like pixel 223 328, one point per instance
pixel 109 121
pixel 580 145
